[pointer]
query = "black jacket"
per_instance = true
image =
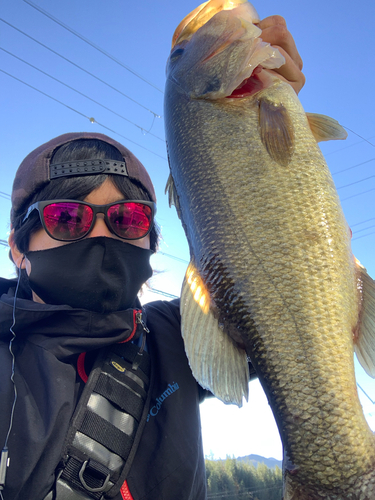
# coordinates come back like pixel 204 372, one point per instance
pixel 169 462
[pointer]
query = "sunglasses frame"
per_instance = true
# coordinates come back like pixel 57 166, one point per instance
pixel 97 209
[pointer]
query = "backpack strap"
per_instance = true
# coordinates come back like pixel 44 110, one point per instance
pixel 106 426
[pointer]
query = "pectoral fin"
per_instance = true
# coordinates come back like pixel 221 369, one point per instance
pixel 276 131
pixel 325 128
pixel 216 362
pixel 364 344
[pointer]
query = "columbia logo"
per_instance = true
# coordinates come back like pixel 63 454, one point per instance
pixel 154 410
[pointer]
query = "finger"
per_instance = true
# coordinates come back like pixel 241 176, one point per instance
pixel 290 71
pixel 275 32
pixel 269 21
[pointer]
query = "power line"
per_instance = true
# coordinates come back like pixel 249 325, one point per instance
pixel 84 95
pixel 124 137
pixel 373 402
pixel 80 67
pixel 354 166
pixel 356 182
pixel 4 243
pixel 363 222
pixel 348 146
pixel 8 197
pixel 364 229
pixel 92 44
pixel 363 236
pixel 363 139
pixel 225 494
pixel 166 294
pixel 173 257
pixel 91 119
pixel 358 194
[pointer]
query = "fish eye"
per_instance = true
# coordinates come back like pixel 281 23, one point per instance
pixel 176 54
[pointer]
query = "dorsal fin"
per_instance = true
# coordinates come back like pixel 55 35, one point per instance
pixel 325 128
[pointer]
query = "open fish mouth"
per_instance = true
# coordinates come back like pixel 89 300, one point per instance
pixel 249 86
pixel 223 57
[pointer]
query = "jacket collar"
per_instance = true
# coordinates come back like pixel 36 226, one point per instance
pixel 63 330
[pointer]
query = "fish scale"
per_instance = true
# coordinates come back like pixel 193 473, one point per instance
pixel 269 241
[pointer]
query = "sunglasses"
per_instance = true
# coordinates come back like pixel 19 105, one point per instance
pixel 71 220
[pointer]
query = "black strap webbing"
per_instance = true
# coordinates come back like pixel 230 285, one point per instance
pixel 121 375
pixel 120 395
pixel 102 431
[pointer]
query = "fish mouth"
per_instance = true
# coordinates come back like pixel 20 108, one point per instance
pixel 249 86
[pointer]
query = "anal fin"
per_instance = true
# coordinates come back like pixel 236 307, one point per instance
pixel 216 362
pixel 364 344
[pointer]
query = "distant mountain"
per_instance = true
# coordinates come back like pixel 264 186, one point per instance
pixel 257 459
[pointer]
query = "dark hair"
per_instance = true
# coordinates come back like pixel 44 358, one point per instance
pixel 78 188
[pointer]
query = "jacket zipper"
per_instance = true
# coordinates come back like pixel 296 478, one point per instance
pixel 139 320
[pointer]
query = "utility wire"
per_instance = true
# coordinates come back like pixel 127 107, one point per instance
pixel 353 166
pixel 84 95
pixel 92 44
pixel 348 146
pixel 91 119
pixel 364 229
pixel 373 402
pixel 80 67
pixel 356 182
pixel 362 222
pixel 173 257
pixel 166 294
pixel 363 236
pixel 358 194
pixel 225 494
pixel 363 139
pixel 8 197
pixel 4 243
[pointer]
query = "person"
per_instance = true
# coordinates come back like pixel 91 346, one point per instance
pixel 97 397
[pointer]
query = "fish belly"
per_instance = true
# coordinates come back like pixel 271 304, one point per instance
pixel 273 247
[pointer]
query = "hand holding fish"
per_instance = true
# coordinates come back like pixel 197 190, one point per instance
pixel 275 32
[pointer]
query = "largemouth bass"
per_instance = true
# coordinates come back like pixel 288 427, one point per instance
pixel 272 278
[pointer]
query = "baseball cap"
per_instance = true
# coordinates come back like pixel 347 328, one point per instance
pixel 36 169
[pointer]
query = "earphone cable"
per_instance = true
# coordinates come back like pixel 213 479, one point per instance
pixel 4 462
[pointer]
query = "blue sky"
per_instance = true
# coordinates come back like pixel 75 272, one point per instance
pixel 336 41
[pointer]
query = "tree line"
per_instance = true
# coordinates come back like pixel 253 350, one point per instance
pixel 233 480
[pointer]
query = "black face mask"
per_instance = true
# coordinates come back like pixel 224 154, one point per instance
pixel 99 274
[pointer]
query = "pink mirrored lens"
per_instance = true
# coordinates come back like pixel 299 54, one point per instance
pixel 130 220
pixel 67 221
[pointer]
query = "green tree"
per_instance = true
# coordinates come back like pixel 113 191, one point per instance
pixel 232 480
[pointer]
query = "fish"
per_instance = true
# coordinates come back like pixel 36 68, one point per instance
pixel 272 286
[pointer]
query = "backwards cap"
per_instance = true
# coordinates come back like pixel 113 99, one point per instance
pixel 36 170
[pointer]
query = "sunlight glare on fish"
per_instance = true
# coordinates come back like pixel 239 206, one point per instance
pixel 197 288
